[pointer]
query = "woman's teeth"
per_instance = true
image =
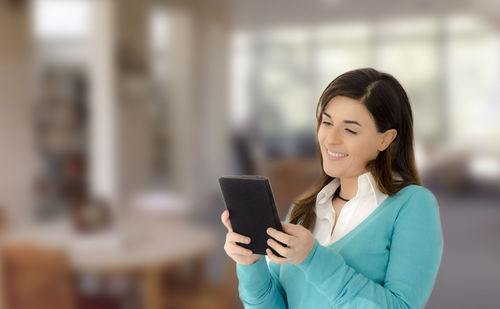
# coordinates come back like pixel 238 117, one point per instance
pixel 336 154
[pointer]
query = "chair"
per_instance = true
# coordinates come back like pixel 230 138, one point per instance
pixel 199 293
pixel 3 220
pixel 36 278
pixel 290 178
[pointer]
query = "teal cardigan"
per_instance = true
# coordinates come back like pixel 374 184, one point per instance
pixel 390 260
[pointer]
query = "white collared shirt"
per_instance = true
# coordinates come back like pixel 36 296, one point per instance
pixel 367 199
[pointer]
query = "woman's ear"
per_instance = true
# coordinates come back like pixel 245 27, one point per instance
pixel 387 138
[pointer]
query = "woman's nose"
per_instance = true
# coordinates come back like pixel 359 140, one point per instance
pixel 333 136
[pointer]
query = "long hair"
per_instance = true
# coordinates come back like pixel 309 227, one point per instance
pixel 387 102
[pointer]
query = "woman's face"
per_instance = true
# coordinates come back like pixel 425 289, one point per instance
pixel 348 138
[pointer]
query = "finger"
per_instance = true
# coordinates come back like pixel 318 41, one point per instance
pixel 279 236
pixel 290 229
pixel 283 251
pixel 275 258
pixel 225 220
pixel 235 237
pixel 234 249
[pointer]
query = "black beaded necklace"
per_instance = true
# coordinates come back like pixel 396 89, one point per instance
pixel 337 194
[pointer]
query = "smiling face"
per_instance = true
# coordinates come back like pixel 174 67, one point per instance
pixel 348 138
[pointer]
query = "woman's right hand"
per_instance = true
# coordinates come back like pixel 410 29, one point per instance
pixel 239 254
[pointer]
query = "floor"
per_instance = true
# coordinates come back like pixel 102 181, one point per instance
pixel 469 276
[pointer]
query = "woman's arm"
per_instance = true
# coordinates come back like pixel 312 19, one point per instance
pixel 414 259
pixel 259 285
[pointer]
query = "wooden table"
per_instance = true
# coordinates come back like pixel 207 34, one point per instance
pixel 144 247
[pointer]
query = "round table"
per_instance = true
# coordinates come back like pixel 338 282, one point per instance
pixel 140 246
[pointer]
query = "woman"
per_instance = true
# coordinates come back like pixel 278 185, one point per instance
pixel 368 235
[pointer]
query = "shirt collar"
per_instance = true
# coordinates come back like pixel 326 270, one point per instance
pixel 324 197
pixel 366 186
pixel 327 191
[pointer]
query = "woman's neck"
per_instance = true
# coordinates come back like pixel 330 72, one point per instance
pixel 348 187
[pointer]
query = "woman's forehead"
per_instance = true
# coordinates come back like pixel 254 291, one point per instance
pixel 342 107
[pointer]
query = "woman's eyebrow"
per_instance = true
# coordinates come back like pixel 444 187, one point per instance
pixel 325 113
pixel 345 121
pixel 352 121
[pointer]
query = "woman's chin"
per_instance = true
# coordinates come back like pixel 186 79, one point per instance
pixel 333 173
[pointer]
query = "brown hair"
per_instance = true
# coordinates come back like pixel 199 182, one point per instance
pixel 387 102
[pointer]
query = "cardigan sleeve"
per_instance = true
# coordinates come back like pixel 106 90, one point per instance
pixel 414 259
pixel 259 285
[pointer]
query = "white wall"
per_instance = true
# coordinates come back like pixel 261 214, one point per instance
pixel 16 132
pixel 103 123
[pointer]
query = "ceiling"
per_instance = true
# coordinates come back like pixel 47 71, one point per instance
pixel 256 14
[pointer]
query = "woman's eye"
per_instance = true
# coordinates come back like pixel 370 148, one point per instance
pixel 326 123
pixel 351 131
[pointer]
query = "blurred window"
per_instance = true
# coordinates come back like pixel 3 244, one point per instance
pixel 448 67
pixel 341 48
pixel 409 50
pixel 61 19
pixel 284 80
pixel 473 78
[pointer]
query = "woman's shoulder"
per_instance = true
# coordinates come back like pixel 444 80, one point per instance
pixel 414 191
pixel 416 197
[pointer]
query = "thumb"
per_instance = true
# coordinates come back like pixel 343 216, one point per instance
pixel 289 228
pixel 225 220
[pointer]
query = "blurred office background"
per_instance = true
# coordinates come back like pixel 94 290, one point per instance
pixel 118 117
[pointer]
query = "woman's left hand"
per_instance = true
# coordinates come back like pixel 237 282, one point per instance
pixel 299 240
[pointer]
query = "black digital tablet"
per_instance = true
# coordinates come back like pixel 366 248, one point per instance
pixel 252 210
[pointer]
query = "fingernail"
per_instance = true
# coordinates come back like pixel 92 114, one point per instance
pixel 247 240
